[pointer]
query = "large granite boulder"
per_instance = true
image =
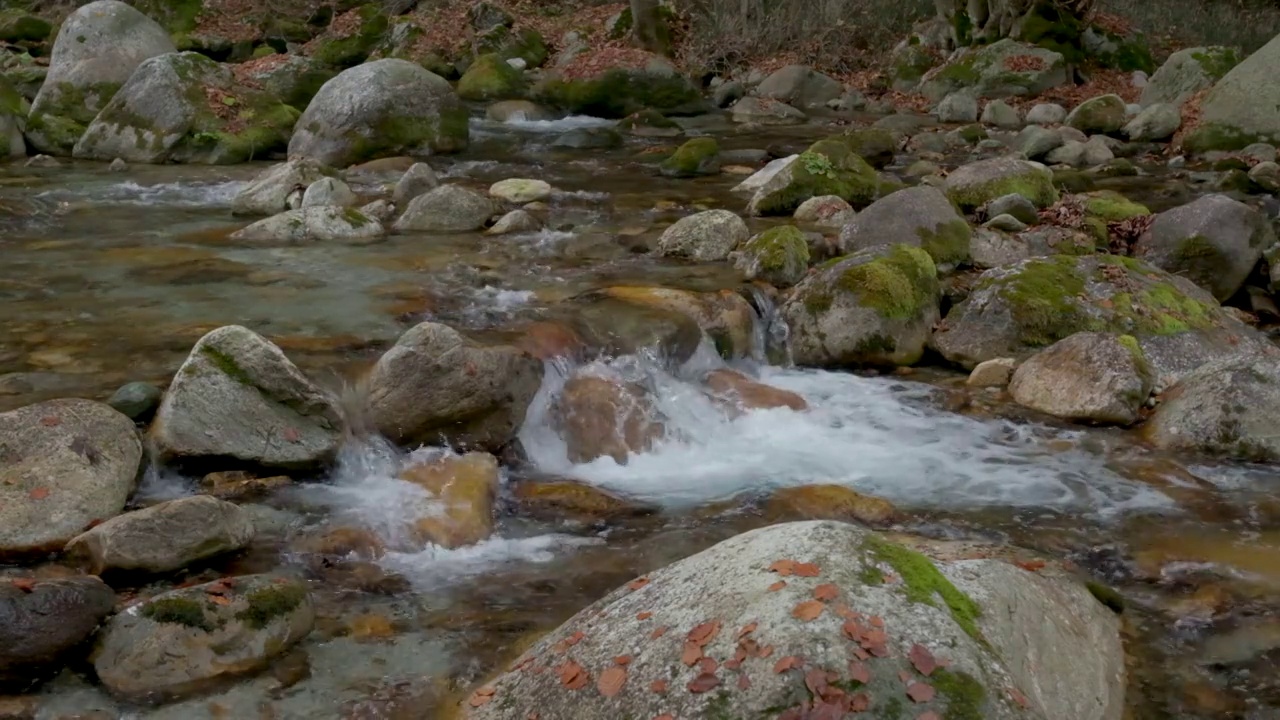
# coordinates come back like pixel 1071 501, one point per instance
pixel 278 188
pixel 972 186
pixel 1240 109
pixel 828 167
pixel 1226 408
pixel 920 216
pixel 1002 69
pixel 1087 377
pixel 43 621
pixel 1186 73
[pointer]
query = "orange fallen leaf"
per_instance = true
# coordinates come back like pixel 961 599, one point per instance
pixel 922 659
pixel 905 676
pixel 777 586
pixel 806 570
pixel 572 675
pixel 825 592
pixel 704 633
pixel 1031 565
pixel 611 681
pixel 748 629
pixel 1019 698
pixel 732 664
pixel 920 692
pixel 638 583
pixel 787 663
pixel 931 715
pixel 644 615
pixel 846 612
pixel 291 435
pixel 575 638
pixel 220 599
pixel 665 716
pixel 26 585
pixel 859 703
pixel 703 683
pixel 51 421
pixel 658 632
pixel 859 671
pixel 707 664
pixel 807 610
pixel 783 567
pixel 744 683
pixel 622 660
pixel 658 687
pixel 876 621
pixel 481 697
pixel 691 655
pixel 765 652
pixel 39 493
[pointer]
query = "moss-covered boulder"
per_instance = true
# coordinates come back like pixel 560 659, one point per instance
pixel 184 107
pixel 649 123
pixel 1015 310
pixel 380 109
pixel 973 185
pixel 508 43
pixel 238 401
pixel 20 26
pixel 617 92
pixel 1102 114
pixel 348 44
pixel 1103 207
pixel 1240 109
pixel 920 216
pixel 873 144
pixel 1088 377
pixel 875 307
pixel 292 79
pixel 826 619
pixel 699 156
pixel 491 78
pixel 1187 72
pixel 828 167
pixel 13 120
pixel 1213 241
pixel 908 64
pixel 779 256
pixel 1002 69
pixel 96 51
pixel 186 641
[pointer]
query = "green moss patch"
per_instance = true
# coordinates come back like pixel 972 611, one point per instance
pixel 266 604
pixel 962 692
pixel 925 584
pixel 619 92
pixel 828 167
pixel 699 156
pixel 177 611
pixel 491 78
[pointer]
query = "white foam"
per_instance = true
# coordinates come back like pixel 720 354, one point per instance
pixel 879 436
pixel 176 194
pixel 565 124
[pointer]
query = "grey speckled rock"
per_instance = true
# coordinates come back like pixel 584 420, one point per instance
pixel 706 236
pixel 516 221
pixel 98 47
pixel 1214 241
pixel 1041 633
pixel 418 179
pixel 67 464
pixel 1015 205
pixel 1002 115
pixel 136 400
pixel 801 87
pixel 1087 377
pixel 1036 142
pixel 1046 114
pixel 1102 114
pixel 380 109
pixel 1158 121
pixel 958 107
pixel 39 624
pixel 238 400
pixel 1186 73
pixel 164 537
pixel 277 188
pixel 973 185
pixel 436 386
pixel 918 216
pixel 328 191
pixel 448 208
pixel 180 643
pixel 1228 407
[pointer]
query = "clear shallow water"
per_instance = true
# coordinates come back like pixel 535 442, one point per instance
pixel 116 276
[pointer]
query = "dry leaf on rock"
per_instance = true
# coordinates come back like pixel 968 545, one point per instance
pixel 807 610
pixel 611 681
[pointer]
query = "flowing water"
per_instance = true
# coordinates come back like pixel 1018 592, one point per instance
pixel 108 278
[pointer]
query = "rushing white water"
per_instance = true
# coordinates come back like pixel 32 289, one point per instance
pixel 565 124
pixel 193 194
pixel 879 436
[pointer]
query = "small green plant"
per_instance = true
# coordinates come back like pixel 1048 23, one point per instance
pixel 818 165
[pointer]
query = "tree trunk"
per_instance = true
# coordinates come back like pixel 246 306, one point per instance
pixel 649 28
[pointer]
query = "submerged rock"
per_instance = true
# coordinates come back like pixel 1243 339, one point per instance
pixel 98 47
pixel 706 236
pixel 164 537
pixel 237 400
pixel 558 500
pixel 137 400
pixel 380 109
pixel 1087 377
pixel 465 488
pixel 745 393
pixel 278 188
pixel 181 642
pixel 875 307
pixel 1227 408
pixel 919 216
pixel 435 386
pixel 520 191
pixel 858 621
pixel 448 208
pixel 1016 309
pixel 779 256
pixel 516 221
pixel 317 223
pixel 1214 241
pixel 828 167
pixel 186 108
pixel 42 620
pixel 604 416
pixel 724 316
pixel 417 180
pixel 830 502
pixel 67 464
pixel 699 156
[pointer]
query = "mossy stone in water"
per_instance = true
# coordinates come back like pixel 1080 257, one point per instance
pixel 491 78
pixel 828 167
pixel 779 256
pixel 266 604
pixel 699 156
pixel 136 400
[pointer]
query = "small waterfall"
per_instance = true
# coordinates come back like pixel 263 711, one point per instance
pixel 771 335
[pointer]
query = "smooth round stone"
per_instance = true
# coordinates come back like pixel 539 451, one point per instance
pixel 136 400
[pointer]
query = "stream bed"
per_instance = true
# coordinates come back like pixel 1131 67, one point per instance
pixel 109 278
